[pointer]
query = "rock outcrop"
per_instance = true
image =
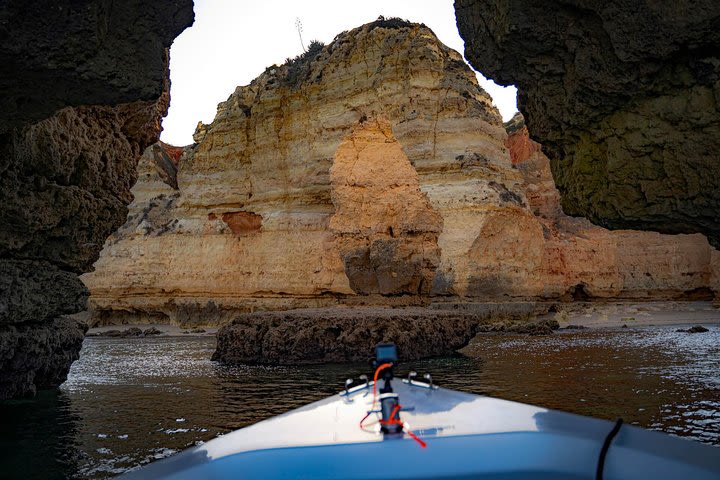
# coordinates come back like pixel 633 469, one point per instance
pixel 66 53
pixel 347 335
pixel 624 96
pixel 67 170
pixel 265 215
pixel 575 258
pixel 386 230
pixel 371 171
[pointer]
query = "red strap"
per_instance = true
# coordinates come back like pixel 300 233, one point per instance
pixel 417 439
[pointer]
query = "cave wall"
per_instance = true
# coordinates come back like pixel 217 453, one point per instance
pixel 58 53
pixel 622 94
pixel 85 85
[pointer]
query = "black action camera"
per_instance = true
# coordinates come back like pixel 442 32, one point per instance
pixel 386 353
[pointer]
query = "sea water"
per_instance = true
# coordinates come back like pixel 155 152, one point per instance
pixel 131 401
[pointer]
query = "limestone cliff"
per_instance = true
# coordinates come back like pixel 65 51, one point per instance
pixel 581 259
pixel 67 170
pixel 276 162
pixel 373 170
pixel 624 95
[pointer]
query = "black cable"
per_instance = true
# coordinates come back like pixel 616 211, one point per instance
pixel 606 447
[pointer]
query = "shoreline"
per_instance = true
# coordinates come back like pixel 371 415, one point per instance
pixel 638 314
pixel 606 315
pixel 166 330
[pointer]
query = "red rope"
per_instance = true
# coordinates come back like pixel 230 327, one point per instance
pixel 394 420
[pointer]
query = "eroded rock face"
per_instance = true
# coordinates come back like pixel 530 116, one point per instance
pixel 269 211
pixel 570 257
pixel 386 228
pixel 624 97
pixel 37 356
pixel 65 53
pixel 321 184
pixel 347 335
pixel 66 176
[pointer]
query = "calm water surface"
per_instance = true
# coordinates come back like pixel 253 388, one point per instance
pixel 131 401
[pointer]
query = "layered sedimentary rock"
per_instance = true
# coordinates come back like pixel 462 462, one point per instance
pixel 265 215
pixel 66 176
pixel 572 257
pixel 624 97
pixel 371 171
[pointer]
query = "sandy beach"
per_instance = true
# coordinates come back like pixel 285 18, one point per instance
pixel 640 314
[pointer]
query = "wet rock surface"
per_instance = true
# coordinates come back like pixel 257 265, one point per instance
pixel 540 327
pixel 36 356
pixel 344 335
pixel 128 332
pixel 694 329
pixel 624 97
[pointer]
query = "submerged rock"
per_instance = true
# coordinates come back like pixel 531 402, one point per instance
pixel 694 329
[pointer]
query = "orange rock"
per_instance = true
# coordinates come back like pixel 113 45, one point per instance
pixel 584 259
pixel 242 223
pixel 387 230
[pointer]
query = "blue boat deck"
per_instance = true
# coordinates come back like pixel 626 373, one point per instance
pixel 468 437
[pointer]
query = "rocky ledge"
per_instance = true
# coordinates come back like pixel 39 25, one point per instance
pixel 347 335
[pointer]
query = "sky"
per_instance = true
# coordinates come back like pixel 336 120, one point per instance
pixel 233 41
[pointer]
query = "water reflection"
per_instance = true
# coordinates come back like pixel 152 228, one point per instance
pixel 38 438
pixel 130 401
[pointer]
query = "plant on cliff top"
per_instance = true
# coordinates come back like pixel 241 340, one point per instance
pixel 298 68
pixel 392 22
